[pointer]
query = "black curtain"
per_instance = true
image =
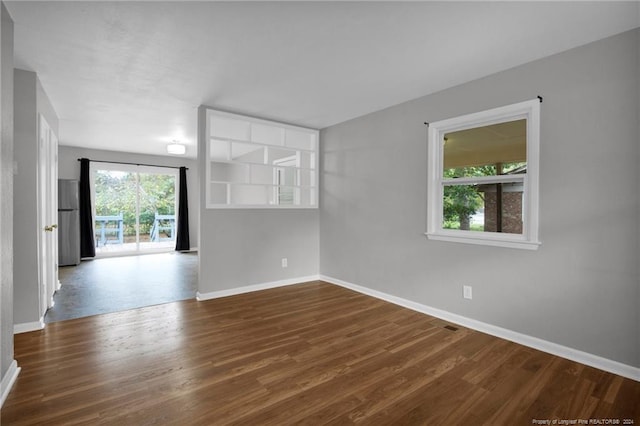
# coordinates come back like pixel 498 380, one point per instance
pixel 182 237
pixel 87 244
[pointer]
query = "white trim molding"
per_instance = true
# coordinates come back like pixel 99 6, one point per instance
pixel 26 327
pixel 586 358
pixel 228 137
pixel 8 380
pixel 436 182
pixel 255 287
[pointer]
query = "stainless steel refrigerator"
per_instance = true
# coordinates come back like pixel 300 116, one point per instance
pixel 68 222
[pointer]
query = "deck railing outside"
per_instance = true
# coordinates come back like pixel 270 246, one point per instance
pixel 110 229
pixel 107 226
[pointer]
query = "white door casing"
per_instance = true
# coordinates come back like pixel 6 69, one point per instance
pixel 47 214
pixel 53 176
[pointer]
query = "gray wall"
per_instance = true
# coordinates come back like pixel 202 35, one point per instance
pixel 6 191
pixel 30 100
pixel 69 168
pixel 581 288
pixel 241 247
pixel 45 107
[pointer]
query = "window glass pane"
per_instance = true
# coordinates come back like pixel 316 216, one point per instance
pixel 115 208
pixel 491 150
pixel 483 208
pixel 134 211
pixel 157 219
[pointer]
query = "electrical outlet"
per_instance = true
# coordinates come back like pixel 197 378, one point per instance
pixel 466 292
pixel 284 262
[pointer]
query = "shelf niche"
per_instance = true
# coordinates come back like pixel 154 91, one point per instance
pixel 256 163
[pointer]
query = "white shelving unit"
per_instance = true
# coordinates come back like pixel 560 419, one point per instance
pixel 255 163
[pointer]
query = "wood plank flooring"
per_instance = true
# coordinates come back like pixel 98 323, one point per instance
pixel 312 354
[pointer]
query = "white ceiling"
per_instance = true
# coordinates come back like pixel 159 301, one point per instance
pixel 129 76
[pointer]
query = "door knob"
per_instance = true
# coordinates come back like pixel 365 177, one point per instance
pixel 50 228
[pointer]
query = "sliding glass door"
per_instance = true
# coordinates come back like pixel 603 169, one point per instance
pixel 135 208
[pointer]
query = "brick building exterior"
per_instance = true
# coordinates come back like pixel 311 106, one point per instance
pixel 511 208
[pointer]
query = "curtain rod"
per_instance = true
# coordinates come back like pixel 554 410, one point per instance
pixel 426 123
pixel 133 164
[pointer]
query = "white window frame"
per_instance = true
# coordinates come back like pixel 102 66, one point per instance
pixel 529 110
pixel 95 166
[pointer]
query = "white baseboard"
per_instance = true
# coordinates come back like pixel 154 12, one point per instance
pixel 254 287
pixel 25 327
pixel 523 339
pixel 8 380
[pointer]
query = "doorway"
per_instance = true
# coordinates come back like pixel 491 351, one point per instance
pixel 115 284
pixel 134 208
pixel 285 175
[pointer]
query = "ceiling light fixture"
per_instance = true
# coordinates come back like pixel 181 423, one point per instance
pixel 176 148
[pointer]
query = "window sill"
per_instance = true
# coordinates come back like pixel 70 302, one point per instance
pixel 486 241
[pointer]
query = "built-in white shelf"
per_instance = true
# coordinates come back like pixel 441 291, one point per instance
pixel 256 163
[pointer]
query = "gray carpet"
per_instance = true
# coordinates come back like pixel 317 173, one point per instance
pixel 121 283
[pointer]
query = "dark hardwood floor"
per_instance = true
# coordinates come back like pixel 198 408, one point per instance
pixel 312 353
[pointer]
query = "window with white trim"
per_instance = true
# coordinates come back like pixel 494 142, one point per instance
pixel 255 163
pixel 482 179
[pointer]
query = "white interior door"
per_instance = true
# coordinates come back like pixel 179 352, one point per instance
pixel 53 210
pixel 47 214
